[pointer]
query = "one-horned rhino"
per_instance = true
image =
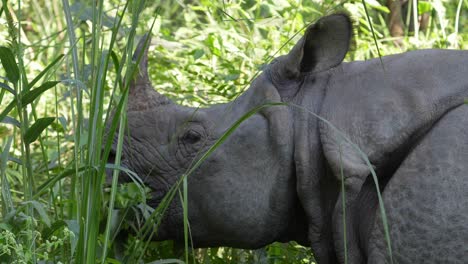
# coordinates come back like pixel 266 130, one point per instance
pixel 305 166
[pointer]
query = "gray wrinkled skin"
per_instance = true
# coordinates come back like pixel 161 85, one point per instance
pixel 278 176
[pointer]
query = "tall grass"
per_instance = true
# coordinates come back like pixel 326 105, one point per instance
pixel 55 109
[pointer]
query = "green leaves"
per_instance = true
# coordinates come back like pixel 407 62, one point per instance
pixel 27 98
pixel 424 7
pixel 35 130
pixel 30 96
pixel 9 64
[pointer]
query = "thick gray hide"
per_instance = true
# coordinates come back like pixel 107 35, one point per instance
pixel 278 176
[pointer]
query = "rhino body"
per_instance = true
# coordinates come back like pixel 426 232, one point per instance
pixel 281 175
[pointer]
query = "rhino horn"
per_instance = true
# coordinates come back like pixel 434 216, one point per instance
pixel 142 95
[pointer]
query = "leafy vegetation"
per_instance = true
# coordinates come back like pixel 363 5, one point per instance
pixel 65 65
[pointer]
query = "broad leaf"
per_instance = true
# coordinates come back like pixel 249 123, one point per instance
pixel 9 64
pixel 36 129
pixel 30 96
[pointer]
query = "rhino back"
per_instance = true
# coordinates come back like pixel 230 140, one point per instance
pixel 382 107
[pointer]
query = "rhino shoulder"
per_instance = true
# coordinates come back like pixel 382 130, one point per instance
pixel 376 108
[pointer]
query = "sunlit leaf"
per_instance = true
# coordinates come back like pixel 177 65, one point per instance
pixel 424 7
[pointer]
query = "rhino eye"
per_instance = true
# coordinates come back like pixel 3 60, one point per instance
pixel 191 137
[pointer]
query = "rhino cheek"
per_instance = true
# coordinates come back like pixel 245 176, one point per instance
pixel 154 169
pixel 232 198
pixel 222 212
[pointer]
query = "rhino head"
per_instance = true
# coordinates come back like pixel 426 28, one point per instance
pixel 248 192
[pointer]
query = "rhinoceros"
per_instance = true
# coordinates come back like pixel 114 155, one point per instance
pixel 310 165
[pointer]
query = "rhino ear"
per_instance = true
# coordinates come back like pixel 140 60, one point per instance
pixel 142 95
pixel 323 46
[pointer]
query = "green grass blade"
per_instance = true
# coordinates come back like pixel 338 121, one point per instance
pixel 186 222
pixel 119 118
pixel 51 181
pixel 7 88
pixel 457 16
pixel 373 34
pixel 415 20
pixel 31 95
pixel 7 201
pixel 77 118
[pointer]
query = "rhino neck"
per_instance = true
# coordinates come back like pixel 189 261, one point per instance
pixel 285 217
pixel 317 190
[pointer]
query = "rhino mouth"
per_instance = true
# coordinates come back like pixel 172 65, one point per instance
pixel 109 170
pixel 122 176
pixel 167 224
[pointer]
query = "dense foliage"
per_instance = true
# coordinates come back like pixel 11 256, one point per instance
pixel 65 64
